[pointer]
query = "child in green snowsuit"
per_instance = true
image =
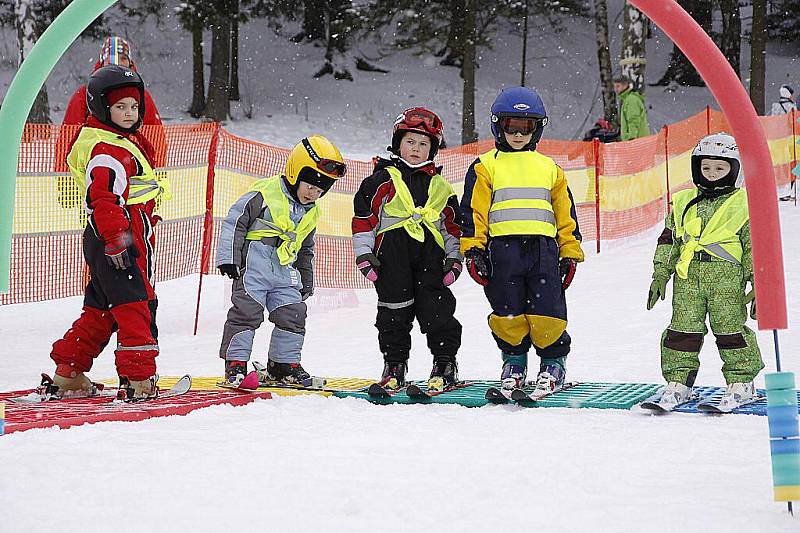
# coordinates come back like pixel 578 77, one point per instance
pixel 706 243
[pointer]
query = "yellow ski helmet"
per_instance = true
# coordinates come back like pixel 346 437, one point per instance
pixel 314 160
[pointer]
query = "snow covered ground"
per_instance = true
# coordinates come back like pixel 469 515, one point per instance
pixel 326 464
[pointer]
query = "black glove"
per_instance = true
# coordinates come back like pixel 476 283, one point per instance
pixel 230 270
pixel 368 265
pixel 566 268
pixel 452 269
pixel 478 266
pixel 305 293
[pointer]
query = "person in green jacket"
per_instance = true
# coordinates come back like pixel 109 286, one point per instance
pixel 706 244
pixel 633 113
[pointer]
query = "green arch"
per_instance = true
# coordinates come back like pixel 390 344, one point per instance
pixel 18 102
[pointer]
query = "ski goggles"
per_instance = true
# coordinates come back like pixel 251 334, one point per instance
pixel 521 125
pixel 428 120
pixel 328 166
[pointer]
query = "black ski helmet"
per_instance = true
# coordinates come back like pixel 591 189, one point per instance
pixel 103 81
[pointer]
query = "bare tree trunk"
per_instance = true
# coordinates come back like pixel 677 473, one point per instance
pixel 313 22
pixel 234 86
pixel 604 61
pixel 758 50
pixel 468 133
pixel 731 33
pixel 198 75
pixel 217 105
pixel 634 53
pixel 680 69
pixel 453 51
pixel 26 38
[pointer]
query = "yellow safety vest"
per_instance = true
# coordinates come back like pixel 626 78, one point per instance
pixel 720 236
pixel 400 211
pixel 281 225
pixel 521 185
pixel 142 188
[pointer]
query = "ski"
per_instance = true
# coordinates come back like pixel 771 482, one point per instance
pixel 182 386
pixel 312 383
pixel 417 392
pixel 714 407
pixel 653 403
pixel 248 383
pixel 46 393
pixel 499 395
pixel 379 389
pixel 519 395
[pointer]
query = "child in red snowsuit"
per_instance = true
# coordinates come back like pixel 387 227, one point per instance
pixel 111 164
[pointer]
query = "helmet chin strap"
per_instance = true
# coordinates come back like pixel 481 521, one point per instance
pixel 411 165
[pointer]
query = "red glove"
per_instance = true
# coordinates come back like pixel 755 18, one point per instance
pixel 116 250
pixel 566 267
pixel 478 266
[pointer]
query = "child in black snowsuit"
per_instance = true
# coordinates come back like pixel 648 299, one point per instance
pixel 406 241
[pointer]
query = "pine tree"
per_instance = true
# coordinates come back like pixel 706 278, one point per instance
pixel 680 69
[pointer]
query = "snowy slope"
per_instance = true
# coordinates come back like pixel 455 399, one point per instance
pixel 316 464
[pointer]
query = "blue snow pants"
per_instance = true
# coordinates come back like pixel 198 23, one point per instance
pixel 528 304
pixel 265 284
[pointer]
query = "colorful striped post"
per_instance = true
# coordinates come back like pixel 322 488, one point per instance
pixel 784 436
pixel 2 417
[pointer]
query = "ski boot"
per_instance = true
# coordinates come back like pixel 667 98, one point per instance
pixel 130 390
pixel 444 374
pixel 288 373
pixel 674 394
pixel 550 379
pixel 67 379
pixel 736 395
pixel 235 372
pixel 394 374
pixel 513 376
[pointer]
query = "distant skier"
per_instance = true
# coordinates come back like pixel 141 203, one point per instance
pixel 521 241
pixel 785 103
pixel 632 110
pixel 266 245
pixel 112 167
pixel 114 51
pixel 706 244
pixel 405 238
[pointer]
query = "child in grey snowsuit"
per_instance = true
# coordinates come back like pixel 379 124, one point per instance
pixel 266 245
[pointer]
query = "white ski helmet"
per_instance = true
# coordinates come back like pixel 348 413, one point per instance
pixel 717 146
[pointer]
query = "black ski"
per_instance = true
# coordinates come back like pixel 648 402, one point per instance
pixel 520 395
pixel 499 395
pixel 713 407
pixel 417 392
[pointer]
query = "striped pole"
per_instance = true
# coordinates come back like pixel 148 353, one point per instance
pixel 784 436
pixel 2 417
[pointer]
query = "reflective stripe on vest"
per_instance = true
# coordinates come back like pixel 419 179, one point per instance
pixel 400 211
pixel 720 236
pixel 141 189
pixel 281 225
pixel 521 185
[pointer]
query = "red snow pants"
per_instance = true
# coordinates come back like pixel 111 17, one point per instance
pixel 115 300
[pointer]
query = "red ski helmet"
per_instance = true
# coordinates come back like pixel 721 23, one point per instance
pixel 418 120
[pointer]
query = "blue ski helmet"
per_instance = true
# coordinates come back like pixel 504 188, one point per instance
pixel 521 102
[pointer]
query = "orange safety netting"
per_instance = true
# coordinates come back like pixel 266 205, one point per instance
pixel 209 168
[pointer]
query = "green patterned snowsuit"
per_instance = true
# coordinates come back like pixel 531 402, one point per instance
pixel 714 288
